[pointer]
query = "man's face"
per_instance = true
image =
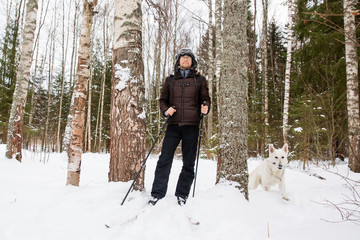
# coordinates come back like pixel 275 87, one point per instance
pixel 185 62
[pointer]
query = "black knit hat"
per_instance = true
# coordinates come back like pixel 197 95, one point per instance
pixel 183 52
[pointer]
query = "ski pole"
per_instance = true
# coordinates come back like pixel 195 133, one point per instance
pixel 143 164
pixel 198 149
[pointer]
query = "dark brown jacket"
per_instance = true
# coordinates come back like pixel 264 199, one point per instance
pixel 187 95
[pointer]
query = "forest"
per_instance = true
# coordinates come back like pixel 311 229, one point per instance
pixel 62 64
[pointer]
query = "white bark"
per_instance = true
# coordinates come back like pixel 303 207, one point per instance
pixel 218 46
pixel 50 77
pixel 67 131
pixel 211 69
pixel 77 124
pixel 352 83
pixel 264 69
pixel 106 50
pixel 287 72
pixel 15 134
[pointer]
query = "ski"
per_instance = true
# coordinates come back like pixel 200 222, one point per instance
pixel 133 218
pixel 142 210
pixel 193 221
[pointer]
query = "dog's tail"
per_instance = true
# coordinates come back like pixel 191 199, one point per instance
pixel 254 180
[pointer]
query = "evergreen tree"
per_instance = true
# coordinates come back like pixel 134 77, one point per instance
pixel 8 63
pixel 276 75
pixel 319 79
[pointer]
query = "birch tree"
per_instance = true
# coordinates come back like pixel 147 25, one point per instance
pixel 218 47
pixel 211 68
pixel 34 97
pixel 66 138
pixel 106 40
pixel 287 72
pixel 233 124
pixel 127 114
pixel 352 82
pixel 77 124
pixel 264 70
pixel 52 33
pixel 63 62
pixel 15 133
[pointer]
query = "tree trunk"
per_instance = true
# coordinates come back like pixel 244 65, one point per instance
pixel 87 146
pixel 58 132
pixel 87 141
pixel 77 124
pixel 254 65
pixel 158 74
pixel 127 114
pixel 352 83
pixel 211 69
pixel 73 70
pixel 265 70
pixel 50 77
pixel 233 118
pixel 106 50
pixel 218 50
pixel 176 12
pixel 34 98
pixel 15 133
pixel 287 73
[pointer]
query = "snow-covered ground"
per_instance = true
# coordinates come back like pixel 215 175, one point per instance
pixel 35 204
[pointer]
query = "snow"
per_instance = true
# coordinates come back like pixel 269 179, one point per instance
pixel 124 75
pixel 298 129
pixel 142 115
pixel 36 204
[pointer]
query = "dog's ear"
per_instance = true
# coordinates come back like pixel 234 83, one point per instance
pixel 285 148
pixel 271 148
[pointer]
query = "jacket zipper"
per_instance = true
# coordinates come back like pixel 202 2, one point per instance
pixel 182 101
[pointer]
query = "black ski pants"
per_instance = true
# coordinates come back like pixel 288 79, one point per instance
pixel 188 134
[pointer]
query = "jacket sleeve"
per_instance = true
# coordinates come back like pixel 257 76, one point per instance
pixel 164 98
pixel 204 94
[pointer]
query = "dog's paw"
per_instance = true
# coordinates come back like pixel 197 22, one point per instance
pixel 285 198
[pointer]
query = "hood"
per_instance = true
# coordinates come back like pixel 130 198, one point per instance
pixel 188 52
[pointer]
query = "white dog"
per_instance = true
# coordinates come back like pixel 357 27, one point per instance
pixel 271 171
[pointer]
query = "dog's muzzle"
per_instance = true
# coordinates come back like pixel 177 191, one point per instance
pixel 280 166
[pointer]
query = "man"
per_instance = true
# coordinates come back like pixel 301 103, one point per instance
pixel 184 97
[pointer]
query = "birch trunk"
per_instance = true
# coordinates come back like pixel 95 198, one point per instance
pixel 73 69
pixel 15 133
pixel 50 77
pixel 106 50
pixel 127 114
pixel 176 12
pixel 211 69
pixel 158 74
pixel 34 98
pixel 287 72
pixel 58 132
pixel 264 70
pixel 32 90
pixel 233 102
pixel 218 46
pixel 77 124
pixel 352 84
pixel 87 142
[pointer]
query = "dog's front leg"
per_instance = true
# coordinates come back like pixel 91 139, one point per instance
pixel 283 190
